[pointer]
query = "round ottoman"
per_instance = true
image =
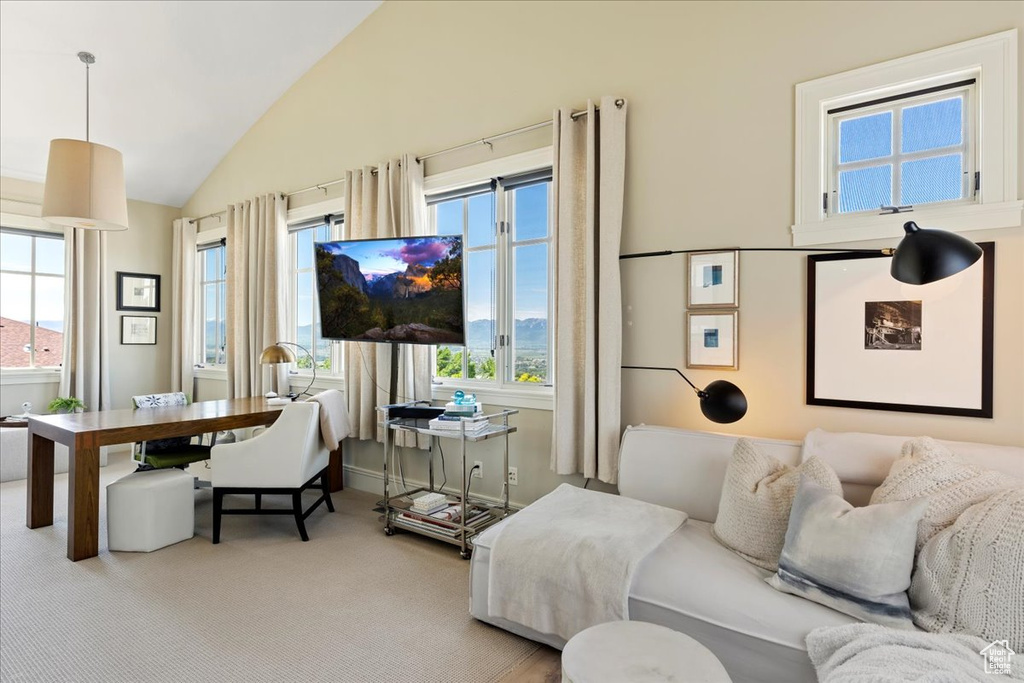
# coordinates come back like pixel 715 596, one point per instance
pixel 638 652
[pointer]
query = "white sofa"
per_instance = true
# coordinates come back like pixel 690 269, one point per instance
pixel 14 454
pixel 692 583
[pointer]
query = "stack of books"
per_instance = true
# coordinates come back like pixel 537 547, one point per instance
pixel 444 521
pixel 452 423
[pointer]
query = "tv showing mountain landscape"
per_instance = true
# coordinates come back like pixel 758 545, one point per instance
pixel 406 289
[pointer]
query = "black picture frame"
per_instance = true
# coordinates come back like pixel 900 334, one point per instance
pixel 973 400
pixel 130 336
pixel 129 296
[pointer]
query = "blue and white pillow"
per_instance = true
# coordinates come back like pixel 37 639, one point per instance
pixel 174 398
pixel 855 560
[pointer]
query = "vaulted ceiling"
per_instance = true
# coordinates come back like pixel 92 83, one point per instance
pixel 174 86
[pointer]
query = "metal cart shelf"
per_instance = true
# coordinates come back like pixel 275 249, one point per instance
pixel 480 513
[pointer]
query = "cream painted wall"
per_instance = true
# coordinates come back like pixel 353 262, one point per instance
pixel 710 135
pixel 144 248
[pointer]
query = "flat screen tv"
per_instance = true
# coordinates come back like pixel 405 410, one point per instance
pixel 406 289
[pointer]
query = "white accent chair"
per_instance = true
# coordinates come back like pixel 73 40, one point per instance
pixel 286 459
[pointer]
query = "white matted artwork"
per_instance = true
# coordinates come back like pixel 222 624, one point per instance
pixel 138 329
pixel 874 342
pixel 713 279
pixel 712 340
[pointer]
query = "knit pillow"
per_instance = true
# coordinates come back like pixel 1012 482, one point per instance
pixel 928 468
pixel 855 560
pixel 970 576
pixel 756 498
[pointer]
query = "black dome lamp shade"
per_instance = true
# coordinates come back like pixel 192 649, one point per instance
pixel 720 401
pixel 926 255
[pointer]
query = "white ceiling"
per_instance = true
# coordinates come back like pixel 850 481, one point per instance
pixel 174 86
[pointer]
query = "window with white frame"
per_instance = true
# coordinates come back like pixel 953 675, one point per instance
pixel 506 229
pixel 31 298
pixel 933 133
pixel 212 305
pixel 903 151
pixel 304 308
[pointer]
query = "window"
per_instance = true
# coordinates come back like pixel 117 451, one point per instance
pixel 935 132
pixel 212 308
pixel 907 150
pixel 506 231
pixel 31 298
pixel 304 307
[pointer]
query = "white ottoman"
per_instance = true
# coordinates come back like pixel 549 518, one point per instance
pixel 149 510
pixel 638 652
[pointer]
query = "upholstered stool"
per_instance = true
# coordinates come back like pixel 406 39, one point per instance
pixel 638 652
pixel 149 510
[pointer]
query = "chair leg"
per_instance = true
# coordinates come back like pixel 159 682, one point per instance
pixel 218 502
pixel 259 501
pixel 325 486
pixel 297 507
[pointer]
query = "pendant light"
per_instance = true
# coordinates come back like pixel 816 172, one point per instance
pixel 85 181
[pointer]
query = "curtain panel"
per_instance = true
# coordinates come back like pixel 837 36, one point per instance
pixel 85 366
pixel 183 297
pixel 255 260
pixel 589 181
pixel 386 201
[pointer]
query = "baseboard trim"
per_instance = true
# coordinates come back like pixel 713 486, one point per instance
pixel 371 481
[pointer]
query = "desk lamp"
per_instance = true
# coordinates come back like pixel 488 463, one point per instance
pixel 276 354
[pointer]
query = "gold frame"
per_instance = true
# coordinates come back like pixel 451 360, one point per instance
pixel 735 315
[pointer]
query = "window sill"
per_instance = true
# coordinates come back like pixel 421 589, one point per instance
pixel 211 372
pixel 541 398
pixel 11 376
pixel 959 218
pixel 300 380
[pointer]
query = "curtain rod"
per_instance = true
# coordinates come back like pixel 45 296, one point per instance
pixel 482 141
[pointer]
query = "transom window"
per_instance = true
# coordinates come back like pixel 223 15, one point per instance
pixel 212 309
pixel 304 308
pixel 506 229
pixel 905 150
pixel 31 298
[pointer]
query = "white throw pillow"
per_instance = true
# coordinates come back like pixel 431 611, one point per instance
pixel 928 468
pixel 854 560
pixel 753 512
pixel 970 576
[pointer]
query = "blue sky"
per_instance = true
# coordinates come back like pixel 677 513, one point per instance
pixel 16 254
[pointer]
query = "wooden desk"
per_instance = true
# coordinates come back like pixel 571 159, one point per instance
pixel 84 433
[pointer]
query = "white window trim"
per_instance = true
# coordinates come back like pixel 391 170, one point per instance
pixel 993 60
pixel 11 376
pixel 518 396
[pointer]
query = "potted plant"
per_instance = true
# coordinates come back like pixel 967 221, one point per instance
pixel 68 404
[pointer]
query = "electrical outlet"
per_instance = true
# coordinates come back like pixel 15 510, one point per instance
pixel 513 476
pixel 479 471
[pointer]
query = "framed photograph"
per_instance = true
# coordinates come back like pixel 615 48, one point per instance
pixel 712 340
pixel 713 279
pixel 876 343
pixel 138 329
pixel 138 292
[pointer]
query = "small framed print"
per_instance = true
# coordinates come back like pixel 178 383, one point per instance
pixel 138 292
pixel 713 279
pixel 712 340
pixel 138 329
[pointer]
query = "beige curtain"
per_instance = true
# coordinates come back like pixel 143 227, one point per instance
pixel 85 367
pixel 386 201
pixel 183 297
pixel 255 255
pixel 589 173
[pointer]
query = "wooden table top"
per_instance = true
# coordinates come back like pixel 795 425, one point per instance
pixel 137 424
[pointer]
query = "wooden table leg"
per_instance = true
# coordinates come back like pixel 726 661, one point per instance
pixel 335 473
pixel 39 510
pixel 83 501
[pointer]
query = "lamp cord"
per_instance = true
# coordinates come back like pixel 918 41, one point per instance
pixel 87 101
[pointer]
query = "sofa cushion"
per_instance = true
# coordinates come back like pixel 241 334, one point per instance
pixel 758 492
pixel 695 577
pixel 855 560
pixel 928 468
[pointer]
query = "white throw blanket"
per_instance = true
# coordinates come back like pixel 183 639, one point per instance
pixel 863 653
pixel 566 562
pixel 334 424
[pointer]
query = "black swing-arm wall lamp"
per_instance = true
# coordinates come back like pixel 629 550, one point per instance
pixel 924 255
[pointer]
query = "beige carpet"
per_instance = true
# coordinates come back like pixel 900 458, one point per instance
pixel 349 605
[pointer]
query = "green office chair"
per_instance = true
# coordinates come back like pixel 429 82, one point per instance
pixel 177 451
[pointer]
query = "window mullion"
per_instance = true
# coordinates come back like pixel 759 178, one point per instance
pixel 897 153
pixel 465 289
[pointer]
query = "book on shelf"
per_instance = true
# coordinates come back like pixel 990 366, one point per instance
pixel 458 424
